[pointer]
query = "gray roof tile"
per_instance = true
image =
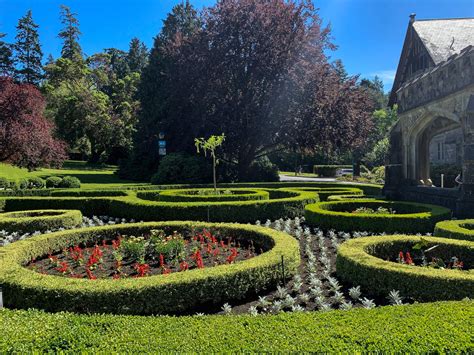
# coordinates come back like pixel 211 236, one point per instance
pixel 445 37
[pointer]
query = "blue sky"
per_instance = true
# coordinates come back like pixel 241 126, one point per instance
pixel 369 33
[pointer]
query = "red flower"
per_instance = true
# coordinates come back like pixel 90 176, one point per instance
pixel 408 259
pixel 63 268
pixel 232 256
pixel 116 244
pixel 90 275
pixel 197 256
pixel 142 269
pixel 162 260
pixel 401 259
pixel 183 266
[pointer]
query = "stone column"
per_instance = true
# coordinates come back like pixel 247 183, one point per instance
pixel 465 205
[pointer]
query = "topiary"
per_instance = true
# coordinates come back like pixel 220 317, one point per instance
pixel 53 181
pixel 181 168
pixel 36 183
pixel 70 182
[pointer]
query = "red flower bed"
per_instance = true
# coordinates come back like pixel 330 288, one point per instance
pixel 153 254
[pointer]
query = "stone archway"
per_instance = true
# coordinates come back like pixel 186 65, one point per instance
pixel 420 139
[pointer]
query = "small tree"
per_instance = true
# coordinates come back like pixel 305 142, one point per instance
pixel 210 144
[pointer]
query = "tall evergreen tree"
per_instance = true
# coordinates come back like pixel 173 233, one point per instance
pixel 155 88
pixel 7 63
pixel 28 52
pixel 70 35
pixel 137 56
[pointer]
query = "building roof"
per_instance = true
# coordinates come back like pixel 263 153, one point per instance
pixel 445 37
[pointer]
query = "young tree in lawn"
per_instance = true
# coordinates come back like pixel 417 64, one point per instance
pixel 28 54
pixel 7 64
pixel 70 35
pixel 26 136
pixel 210 144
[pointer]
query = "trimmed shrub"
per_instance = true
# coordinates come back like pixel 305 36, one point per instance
pixel 325 193
pixel 410 217
pixel 263 169
pixel 441 327
pixel 193 195
pixel 174 293
pixel 53 181
pixel 4 184
pixel 36 183
pixel 353 197
pixel 328 170
pixel 70 182
pixel 39 220
pixel 180 168
pixel 362 262
pixel 23 184
pixel 457 229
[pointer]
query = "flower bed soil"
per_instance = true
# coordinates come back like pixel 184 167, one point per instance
pixel 109 260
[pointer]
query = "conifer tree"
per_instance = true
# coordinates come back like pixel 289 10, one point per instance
pixel 7 67
pixel 137 56
pixel 70 35
pixel 28 52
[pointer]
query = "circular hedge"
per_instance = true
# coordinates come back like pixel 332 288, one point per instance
pixel 456 229
pixel 362 261
pixel 206 195
pixel 174 293
pixel 39 220
pixel 325 192
pixel 353 197
pixel 410 217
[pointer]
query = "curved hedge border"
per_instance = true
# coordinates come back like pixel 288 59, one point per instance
pixel 456 229
pixel 357 264
pixel 139 205
pixel 39 220
pixel 415 218
pixel 175 293
pixel 353 197
pixel 424 328
pixel 191 195
pixel 325 193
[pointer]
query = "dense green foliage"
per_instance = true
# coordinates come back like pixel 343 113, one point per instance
pixel 363 261
pixel 181 168
pixel 458 229
pixel 70 182
pixel 409 217
pixel 53 181
pixel 39 220
pixel 442 327
pixel 177 292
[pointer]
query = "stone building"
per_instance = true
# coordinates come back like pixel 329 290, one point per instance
pixel 434 90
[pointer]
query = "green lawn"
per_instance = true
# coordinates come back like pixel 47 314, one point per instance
pixel 91 176
pixel 292 173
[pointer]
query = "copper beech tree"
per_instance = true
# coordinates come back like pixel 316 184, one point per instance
pixel 26 136
pixel 256 70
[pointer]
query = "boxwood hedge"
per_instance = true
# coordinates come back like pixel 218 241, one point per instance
pixel 410 217
pixel 325 193
pixel 174 293
pixel 426 328
pixel 142 205
pixel 456 229
pixel 206 195
pixel 39 220
pixel 363 262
